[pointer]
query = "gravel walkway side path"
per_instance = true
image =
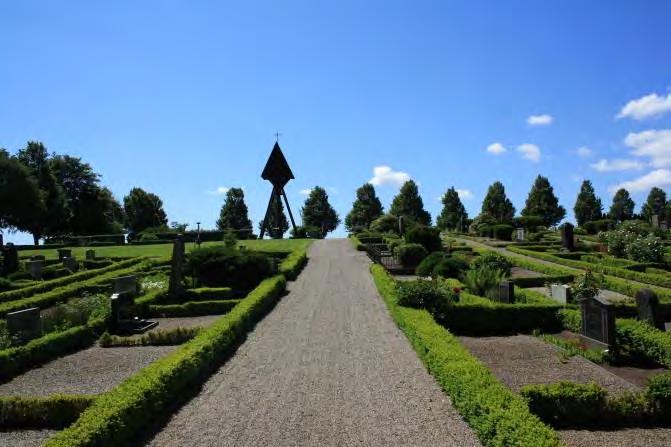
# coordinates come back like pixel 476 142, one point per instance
pixel 24 438
pixel 327 367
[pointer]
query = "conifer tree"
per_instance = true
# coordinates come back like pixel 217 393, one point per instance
pixel 453 216
pixel 409 204
pixel 588 206
pixel 365 209
pixel 623 206
pixel 496 204
pixel 543 203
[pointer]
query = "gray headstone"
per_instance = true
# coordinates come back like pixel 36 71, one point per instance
pixel 126 285
pixel 507 292
pixel 655 221
pixel 598 322
pixel 519 234
pixel 38 258
pixel 10 259
pixel 647 304
pixel 560 293
pixel 176 286
pixel 35 269
pixel 64 253
pixel 567 236
pixel 25 324
pixel 90 255
pixel 70 264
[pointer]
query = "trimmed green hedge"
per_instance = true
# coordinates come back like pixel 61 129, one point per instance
pixel 119 416
pixel 293 264
pixel 493 318
pixel 161 337
pixel 496 414
pixel 57 411
pixel 542 280
pixel 191 308
pixel 208 294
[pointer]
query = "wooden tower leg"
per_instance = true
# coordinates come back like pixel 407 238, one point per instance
pixel 265 219
pixel 291 216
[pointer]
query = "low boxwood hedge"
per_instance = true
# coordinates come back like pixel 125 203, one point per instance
pixel 57 411
pixel 160 337
pixel 190 308
pixel 119 416
pixel 293 264
pixel 497 415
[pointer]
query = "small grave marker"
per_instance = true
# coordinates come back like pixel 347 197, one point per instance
pixel 70 264
pixel 560 293
pixel 38 258
pixel 64 253
pixel 35 269
pixel 10 259
pixel 655 221
pixel 647 304
pixel 567 236
pixel 598 322
pixel 176 286
pixel 126 285
pixel 90 255
pixel 519 234
pixel 506 292
pixel 25 324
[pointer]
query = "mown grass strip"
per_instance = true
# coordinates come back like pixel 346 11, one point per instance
pixel 497 415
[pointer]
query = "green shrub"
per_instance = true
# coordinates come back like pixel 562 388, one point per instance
pixel 566 404
pixel 503 232
pixel 424 294
pixel 208 294
pixel 451 267
pixel 293 264
pixel 596 226
pixel 410 255
pixel 385 224
pixel 219 266
pixel 190 309
pixel 481 281
pixel 490 318
pixel 493 261
pixel 161 337
pixel 425 268
pixel 658 394
pixel 428 237
pixel 56 411
pixel 5 284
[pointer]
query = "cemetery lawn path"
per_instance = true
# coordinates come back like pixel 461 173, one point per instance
pixel 328 367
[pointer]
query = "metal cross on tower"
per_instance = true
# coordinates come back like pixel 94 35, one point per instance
pixel 277 172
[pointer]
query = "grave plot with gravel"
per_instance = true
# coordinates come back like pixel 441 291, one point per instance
pixel 91 371
pixel 24 438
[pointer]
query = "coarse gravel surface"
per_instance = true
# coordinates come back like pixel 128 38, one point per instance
pixel 523 360
pixel 327 367
pixel 90 371
pixel 24 438
pixel 630 437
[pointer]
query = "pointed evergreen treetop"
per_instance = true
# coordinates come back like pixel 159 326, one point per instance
pixel 623 206
pixel 543 203
pixel 496 204
pixel 588 206
pixel 365 209
pixel 408 203
pixel 454 214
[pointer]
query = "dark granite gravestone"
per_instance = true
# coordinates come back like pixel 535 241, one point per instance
pixel 176 285
pixel 506 292
pixel 647 304
pixel 277 172
pixel 401 225
pixel 90 255
pixel 598 322
pixel 71 264
pixel 35 269
pixel 2 240
pixel 567 236
pixel 127 285
pixel 64 253
pixel 38 258
pixel 10 259
pixel 25 324
pixel 122 306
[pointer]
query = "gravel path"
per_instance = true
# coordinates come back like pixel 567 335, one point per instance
pixel 326 367
pixel 630 437
pixel 521 360
pixel 91 371
pixel 24 438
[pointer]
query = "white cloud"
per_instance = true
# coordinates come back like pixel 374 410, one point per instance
pixel 658 178
pixel 305 192
pixel 530 152
pixel 384 175
pixel 464 194
pixel 540 120
pixel 655 144
pixel 496 148
pixel 584 152
pixel 647 106
pixel 220 191
pixel 604 165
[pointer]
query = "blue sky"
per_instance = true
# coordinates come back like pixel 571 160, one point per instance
pixel 183 98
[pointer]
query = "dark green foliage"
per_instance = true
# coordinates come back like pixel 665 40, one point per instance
pixel 219 266
pixel 277 223
pixel 498 416
pixel 191 309
pixel 409 204
pixel 425 268
pixel 427 295
pixel 234 215
pixel 428 237
pixel 208 294
pixel 410 255
pixel 587 206
pixel 5 284
pixel 453 216
pixel 483 280
pixel 496 204
pixel 308 232
pixel 658 394
pixel 143 210
pixel 642 341
pixel 623 206
pixel 22 201
pixel 529 223
pixel 386 223
pixel 56 411
pixel 365 209
pixel 655 203
pixel 543 203
pixel 491 318
pixel 493 261
pixel 451 267
pixel 160 337
pixel 318 212
pixel 596 226
pixel 293 264
pixel 120 416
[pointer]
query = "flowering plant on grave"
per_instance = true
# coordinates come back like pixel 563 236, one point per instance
pixel 586 286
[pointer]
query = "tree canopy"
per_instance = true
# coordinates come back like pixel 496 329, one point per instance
pixel 234 214
pixel 143 210
pixel 22 202
pixel 318 212
pixel 496 204
pixel 453 215
pixel 588 206
pixel 654 204
pixel 409 204
pixel 365 209
pixel 543 203
pixel 623 206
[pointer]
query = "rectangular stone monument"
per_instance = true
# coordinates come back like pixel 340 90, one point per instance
pixel 598 322
pixel 64 253
pixel 121 319
pixel 25 324
pixel 126 285
pixel 655 221
pixel 560 293
pixel 70 264
pixel 10 259
pixel 519 234
pixel 38 258
pixel 506 292
pixel 176 286
pixel 647 305
pixel 35 269
pixel 567 240
pixel 90 255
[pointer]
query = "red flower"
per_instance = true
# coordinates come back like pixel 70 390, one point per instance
pixel 456 290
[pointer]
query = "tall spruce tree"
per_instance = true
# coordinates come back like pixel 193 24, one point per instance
pixel 143 210
pixel 496 204
pixel 274 227
pixel 318 212
pixel 623 206
pixel 365 209
pixel 588 206
pixel 409 204
pixel 654 204
pixel 453 215
pixel 234 214
pixel 543 203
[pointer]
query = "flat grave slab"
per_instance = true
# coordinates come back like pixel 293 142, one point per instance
pixel 90 371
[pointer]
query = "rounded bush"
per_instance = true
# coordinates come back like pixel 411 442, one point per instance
pixel 450 268
pixel 428 237
pixel 227 267
pixel 425 268
pixel 410 255
pixel 493 261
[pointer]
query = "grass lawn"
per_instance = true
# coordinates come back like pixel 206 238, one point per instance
pixel 165 250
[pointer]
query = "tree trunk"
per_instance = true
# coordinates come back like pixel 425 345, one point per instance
pixel 36 238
